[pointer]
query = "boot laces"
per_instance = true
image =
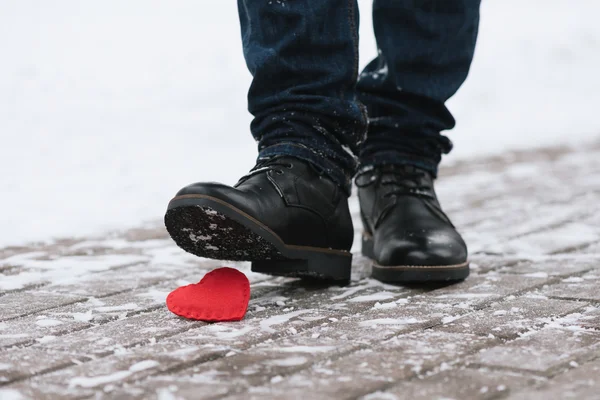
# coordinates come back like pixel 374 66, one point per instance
pixel 269 164
pixel 402 180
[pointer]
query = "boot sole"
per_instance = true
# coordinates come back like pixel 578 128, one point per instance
pixel 413 273
pixel 209 227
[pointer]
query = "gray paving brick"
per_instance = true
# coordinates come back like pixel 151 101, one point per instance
pixel 481 290
pixel 119 280
pixel 374 368
pixel 459 383
pixel 550 266
pixel 590 319
pixel 580 382
pixel 31 390
pixel 584 288
pixel 543 351
pixel 43 326
pixel 18 364
pixel 120 334
pixel 107 373
pixel 510 318
pixel 24 303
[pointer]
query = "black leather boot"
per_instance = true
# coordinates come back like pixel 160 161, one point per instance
pixel 284 216
pixel 406 233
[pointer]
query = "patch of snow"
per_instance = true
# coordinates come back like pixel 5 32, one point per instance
pixel 83 317
pixel 143 365
pixel 288 362
pixel 266 324
pixel 90 382
pixel 573 279
pixel 209 377
pixel 537 275
pixel 159 296
pixel 383 306
pixel 86 382
pixel 48 322
pixel 11 394
pixel 14 336
pixel 228 332
pixel 450 318
pixel 46 339
pixel 372 297
pixel 165 394
pixel 380 396
pixel 123 307
pixel 184 351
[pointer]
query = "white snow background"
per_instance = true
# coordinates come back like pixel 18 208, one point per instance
pixel 108 107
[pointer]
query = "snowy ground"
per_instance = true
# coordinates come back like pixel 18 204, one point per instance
pixel 107 108
pixel 86 318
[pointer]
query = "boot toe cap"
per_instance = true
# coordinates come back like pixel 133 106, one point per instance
pixel 441 250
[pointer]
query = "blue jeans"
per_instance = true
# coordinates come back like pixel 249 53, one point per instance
pixel 308 100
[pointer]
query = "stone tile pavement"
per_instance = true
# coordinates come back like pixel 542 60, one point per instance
pixel 86 317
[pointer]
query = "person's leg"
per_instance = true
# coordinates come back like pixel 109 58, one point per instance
pixel 303 55
pixel 289 215
pixel 425 52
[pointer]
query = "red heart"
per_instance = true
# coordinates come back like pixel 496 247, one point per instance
pixel 222 295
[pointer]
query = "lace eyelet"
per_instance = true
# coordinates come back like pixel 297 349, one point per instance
pixel 289 166
pixel 279 172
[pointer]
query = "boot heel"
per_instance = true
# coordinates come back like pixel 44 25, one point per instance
pixel 367 246
pixel 325 266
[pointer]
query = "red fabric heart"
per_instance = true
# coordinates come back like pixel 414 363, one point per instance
pixel 222 295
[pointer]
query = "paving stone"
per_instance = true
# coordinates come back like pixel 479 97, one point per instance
pixel 44 326
pixel 384 320
pixel 63 320
pixel 581 382
pixel 551 241
pixel 459 383
pixel 372 369
pixel 482 263
pixel 509 318
pixel 119 280
pixel 41 267
pixel 18 364
pixel 550 266
pixel 240 371
pixel 543 351
pixel 584 288
pixel 504 221
pixel 480 290
pixel 31 390
pixel 107 373
pixel 590 319
pixel 120 334
pixel 593 249
pixel 24 303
